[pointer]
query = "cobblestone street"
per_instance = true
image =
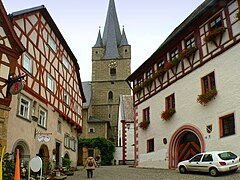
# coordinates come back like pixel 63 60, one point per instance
pixel 126 173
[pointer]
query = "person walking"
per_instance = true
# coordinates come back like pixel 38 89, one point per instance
pixel 90 165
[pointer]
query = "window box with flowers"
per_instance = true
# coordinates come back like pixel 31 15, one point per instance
pixel 186 53
pixel 158 73
pixel 213 34
pixel 167 114
pixel 144 124
pixel 148 83
pixel 171 63
pixel 206 97
pixel 137 89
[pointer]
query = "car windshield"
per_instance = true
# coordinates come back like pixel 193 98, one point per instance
pixel 227 156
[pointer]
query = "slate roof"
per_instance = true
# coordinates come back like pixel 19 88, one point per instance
pixel 87 90
pixel 126 108
pixel 112 38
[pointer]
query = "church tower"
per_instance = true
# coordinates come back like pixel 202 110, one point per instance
pixel 111 65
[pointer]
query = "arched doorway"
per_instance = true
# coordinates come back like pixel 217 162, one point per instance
pixel 185 143
pixel 24 155
pixel 44 154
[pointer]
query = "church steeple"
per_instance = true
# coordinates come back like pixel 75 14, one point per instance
pixel 112 38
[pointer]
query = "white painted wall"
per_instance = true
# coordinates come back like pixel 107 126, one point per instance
pixel 189 112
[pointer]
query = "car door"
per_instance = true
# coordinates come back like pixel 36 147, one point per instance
pixel 206 163
pixel 193 164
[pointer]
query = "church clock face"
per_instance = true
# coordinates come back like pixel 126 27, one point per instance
pixel 112 64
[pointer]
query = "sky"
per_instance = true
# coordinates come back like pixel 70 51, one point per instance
pixel 147 23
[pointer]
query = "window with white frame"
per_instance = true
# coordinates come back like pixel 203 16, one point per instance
pixel 174 54
pixel 66 140
pixel 190 42
pixel 27 63
pixel 66 98
pixel 52 44
pixel 65 62
pixel 78 110
pixel 42 121
pixel 24 107
pixel 50 83
pixel 73 144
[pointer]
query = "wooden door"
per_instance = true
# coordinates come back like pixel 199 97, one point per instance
pixel 189 145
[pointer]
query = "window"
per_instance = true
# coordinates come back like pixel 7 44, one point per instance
pixel 66 98
pixel 50 83
pixel 160 64
pixel 146 114
pixel 208 82
pixel 65 62
pixel 78 110
pixel 190 42
pixel 42 121
pixel 110 95
pixel 27 63
pixel 59 126
pixel 24 107
pixel 66 140
pixel 139 81
pixel 174 54
pixel 170 102
pixel 91 130
pixel 72 144
pixel 216 23
pixel 52 44
pixel 196 158
pixel 150 145
pixel 227 125
pixel 113 71
pixel 207 158
pixel 149 73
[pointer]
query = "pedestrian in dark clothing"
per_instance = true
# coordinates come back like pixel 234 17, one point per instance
pixel 90 165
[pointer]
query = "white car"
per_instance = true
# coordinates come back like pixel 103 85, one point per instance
pixel 213 162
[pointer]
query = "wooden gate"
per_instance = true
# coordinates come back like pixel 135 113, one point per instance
pixel 189 145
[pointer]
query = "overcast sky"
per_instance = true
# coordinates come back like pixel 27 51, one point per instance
pixel 147 23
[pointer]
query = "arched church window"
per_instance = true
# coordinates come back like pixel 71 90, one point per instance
pixel 110 95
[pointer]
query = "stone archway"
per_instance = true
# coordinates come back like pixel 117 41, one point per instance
pixel 185 142
pixel 44 154
pixel 24 151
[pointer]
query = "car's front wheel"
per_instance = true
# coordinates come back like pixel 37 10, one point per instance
pixel 182 170
pixel 213 172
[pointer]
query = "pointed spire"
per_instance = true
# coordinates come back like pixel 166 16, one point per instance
pixel 111 34
pixel 124 38
pixel 99 40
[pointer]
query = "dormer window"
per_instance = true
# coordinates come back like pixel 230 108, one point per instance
pixel 216 23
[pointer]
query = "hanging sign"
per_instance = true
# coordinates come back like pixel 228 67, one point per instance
pixel 43 138
pixel 16 87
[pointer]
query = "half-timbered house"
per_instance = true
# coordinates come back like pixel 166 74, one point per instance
pixel 186 94
pixel 46 117
pixel 10 50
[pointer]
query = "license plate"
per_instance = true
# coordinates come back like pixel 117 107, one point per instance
pixel 233 167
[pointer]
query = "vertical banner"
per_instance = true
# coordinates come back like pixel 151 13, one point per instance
pixel 1 161
pixel 17 167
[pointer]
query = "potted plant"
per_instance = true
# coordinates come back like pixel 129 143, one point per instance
pixel 167 114
pixel 148 82
pixel 144 124
pixel 186 53
pixel 213 34
pixel 207 96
